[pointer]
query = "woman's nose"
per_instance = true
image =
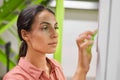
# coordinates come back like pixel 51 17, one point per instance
pixel 54 34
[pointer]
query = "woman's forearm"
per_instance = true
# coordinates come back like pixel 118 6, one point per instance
pixel 79 75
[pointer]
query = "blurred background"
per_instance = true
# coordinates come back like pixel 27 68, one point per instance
pixel 79 16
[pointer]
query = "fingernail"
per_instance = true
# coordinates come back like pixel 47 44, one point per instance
pixel 89 36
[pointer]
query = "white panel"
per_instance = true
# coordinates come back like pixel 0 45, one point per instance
pixel 109 40
pixel 103 38
pixel 113 67
pixel 91 5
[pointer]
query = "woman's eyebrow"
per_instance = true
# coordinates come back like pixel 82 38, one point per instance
pixel 48 23
pixel 45 23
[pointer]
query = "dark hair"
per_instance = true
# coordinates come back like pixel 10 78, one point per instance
pixel 25 20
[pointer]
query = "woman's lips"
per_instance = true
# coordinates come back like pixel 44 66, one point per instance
pixel 53 44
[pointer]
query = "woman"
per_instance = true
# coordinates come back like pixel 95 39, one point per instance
pixel 37 27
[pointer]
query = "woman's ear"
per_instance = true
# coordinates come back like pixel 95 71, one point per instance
pixel 25 34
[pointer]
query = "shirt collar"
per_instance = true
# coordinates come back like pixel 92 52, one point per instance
pixel 34 71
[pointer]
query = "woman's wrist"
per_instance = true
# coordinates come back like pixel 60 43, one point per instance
pixel 80 74
pixel 81 71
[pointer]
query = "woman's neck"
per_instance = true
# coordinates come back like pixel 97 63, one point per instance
pixel 39 60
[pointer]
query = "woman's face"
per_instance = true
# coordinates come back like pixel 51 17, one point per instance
pixel 43 35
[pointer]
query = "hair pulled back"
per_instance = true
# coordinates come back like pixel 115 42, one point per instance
pixel 25 20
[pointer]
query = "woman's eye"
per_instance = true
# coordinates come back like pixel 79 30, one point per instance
pixel 56 28
pixel 45 28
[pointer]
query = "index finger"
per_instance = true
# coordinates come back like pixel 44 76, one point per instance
pixel 87 33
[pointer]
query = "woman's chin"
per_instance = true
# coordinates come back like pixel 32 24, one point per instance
pixel 51 52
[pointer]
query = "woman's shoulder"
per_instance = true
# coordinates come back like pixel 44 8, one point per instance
pixel 14 74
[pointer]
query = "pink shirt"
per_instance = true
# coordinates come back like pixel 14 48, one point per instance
pixel 26 71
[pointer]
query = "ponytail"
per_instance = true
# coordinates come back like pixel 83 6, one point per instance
pixel 23 49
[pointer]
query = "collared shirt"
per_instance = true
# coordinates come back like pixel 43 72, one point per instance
pixel 26 71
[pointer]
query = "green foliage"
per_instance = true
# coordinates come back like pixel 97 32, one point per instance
pixel 8 17
pixel 8 7
pixel 5 27
pixel 3 55
pixel 4 61
pixel 2 42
